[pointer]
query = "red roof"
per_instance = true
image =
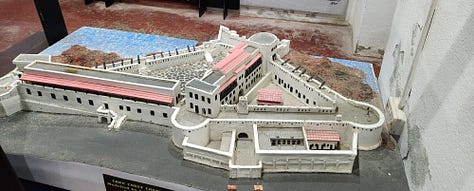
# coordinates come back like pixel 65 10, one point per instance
pixel 99 88
pixel 240 69
pixel 239 46
pixel 253 60
pixel 227 83
pixel 248 64
pixel 269 96
pixel 322 135
pixel 231 61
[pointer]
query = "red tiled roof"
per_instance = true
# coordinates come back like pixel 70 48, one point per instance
pixel 240 69
pixel 322 135
pixel 99 88
pixel 227 83
pixel 253 60
pixel 231 61
pixel 269 96
pixel 239 46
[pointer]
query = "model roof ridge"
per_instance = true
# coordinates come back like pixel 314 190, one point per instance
pixel 233 60
pixel 99 88
pixel 322 135
pixel 259 55
pixel 227 83
pixel 105 75
pixel 202 85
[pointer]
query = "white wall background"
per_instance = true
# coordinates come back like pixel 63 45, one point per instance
pixel 337 7
pixel 371 21
pixel 437 141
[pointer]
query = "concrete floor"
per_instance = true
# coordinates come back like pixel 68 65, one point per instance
pixel 81 139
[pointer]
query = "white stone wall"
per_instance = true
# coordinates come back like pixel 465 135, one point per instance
pixel 139 111
pixel 338 161
pixel 10 103
pixel 307 162
pixel 205 155
pixel 337 7
pixel 174 60
pixel 228 36
pixel 436 144
pixel 283 48
pixel 130 85
pixel 216 128
pixel 245 171
pixel 371 21
pixel 306 94
pixel 210 103
pixel 200 136
pixel 9 98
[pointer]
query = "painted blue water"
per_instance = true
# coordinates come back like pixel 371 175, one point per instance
pixel 125 44
pixel 130 44
pixel 363 66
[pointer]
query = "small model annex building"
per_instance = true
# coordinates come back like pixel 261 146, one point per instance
pixel 232 103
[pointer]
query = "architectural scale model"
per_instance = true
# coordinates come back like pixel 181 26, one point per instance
pixel 232 103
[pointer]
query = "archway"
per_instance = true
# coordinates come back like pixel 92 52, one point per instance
pixel 243 136
pixel 103 119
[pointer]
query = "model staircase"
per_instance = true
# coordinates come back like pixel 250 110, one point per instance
pixel 116 120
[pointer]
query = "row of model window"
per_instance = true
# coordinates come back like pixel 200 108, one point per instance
pixel 279 141
pixel 233 97
pixel 53 96
pixel 203 110
pixel 139 110
pixel 274 48
pixel 91 102
pixel 196 96
pixel 324 146
pixel 304 84
pixel 281 81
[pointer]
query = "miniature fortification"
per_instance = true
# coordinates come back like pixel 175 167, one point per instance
pixel 232 103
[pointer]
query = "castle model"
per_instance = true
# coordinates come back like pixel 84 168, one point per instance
pixel 232 103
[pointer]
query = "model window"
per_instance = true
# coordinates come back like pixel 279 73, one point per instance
pixel 28 91
pixel 190 94
pixel 65 98
pixel 121 107
pixel 165 115
pixel 202 98
pixel 209 111
pixel 196 96
pixel 79 100
pixel 91 102
pixel 128 108
pixel 53 96
pixel 39 93
pixel 152 113
pixel 139 110
pixel 106 105
pixel 191 105
pixel 208 100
